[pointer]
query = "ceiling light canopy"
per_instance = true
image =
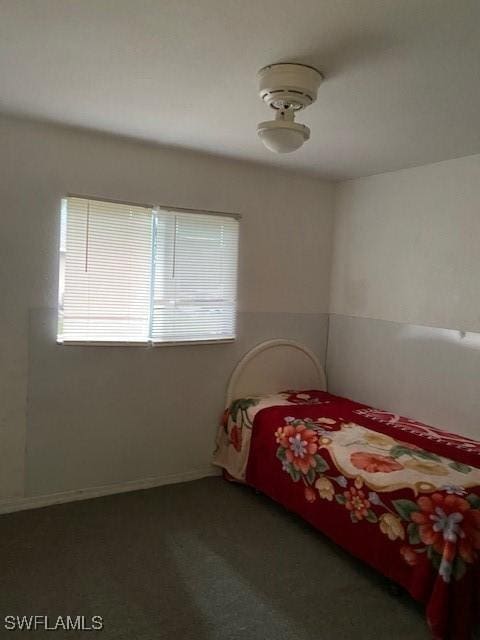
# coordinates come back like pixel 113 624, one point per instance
pixel 286 88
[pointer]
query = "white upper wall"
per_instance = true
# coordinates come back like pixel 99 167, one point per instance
pixel 406 246
pixel 285 228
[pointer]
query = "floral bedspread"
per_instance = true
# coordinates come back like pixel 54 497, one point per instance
pixel 233 439
pixel 399 494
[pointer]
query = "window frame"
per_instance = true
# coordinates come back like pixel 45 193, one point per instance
pixel 150 343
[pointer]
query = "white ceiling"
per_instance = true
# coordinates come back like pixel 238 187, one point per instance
pixel 402 76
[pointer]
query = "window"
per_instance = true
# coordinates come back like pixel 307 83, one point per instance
pixel 135 274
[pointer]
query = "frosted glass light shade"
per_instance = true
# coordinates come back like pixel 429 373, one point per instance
pixel 281 136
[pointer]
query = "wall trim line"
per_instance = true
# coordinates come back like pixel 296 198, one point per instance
pixel 405 322
pixel 10 505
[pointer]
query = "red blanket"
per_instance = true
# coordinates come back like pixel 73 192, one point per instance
pixel 402 496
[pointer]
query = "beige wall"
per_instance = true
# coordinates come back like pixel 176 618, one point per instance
pixel 405 293
pixel 406 246
pixel 404 290
pixel 80 417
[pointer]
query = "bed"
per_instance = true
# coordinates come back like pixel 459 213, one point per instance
pixel 400 495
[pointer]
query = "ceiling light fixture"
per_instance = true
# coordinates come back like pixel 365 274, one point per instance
pixel 286 87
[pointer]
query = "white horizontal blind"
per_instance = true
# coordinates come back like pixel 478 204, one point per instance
pixel 134 274
pixel 107 272
pixel 195 277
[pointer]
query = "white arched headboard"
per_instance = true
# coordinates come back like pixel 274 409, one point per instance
pixel 275 365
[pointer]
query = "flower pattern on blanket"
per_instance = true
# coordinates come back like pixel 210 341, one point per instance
pixel 412 426
pixel 233 439
pixel 364 467
pixel 303 397
pixel 447 526
pixel 387 464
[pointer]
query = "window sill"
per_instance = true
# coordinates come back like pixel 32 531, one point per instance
pixel 112 343
pixel 184 343
pixel 102 343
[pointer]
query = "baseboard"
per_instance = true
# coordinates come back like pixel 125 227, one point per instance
pixel 10 505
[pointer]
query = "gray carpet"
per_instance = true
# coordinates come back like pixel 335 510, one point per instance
pixel 203 560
